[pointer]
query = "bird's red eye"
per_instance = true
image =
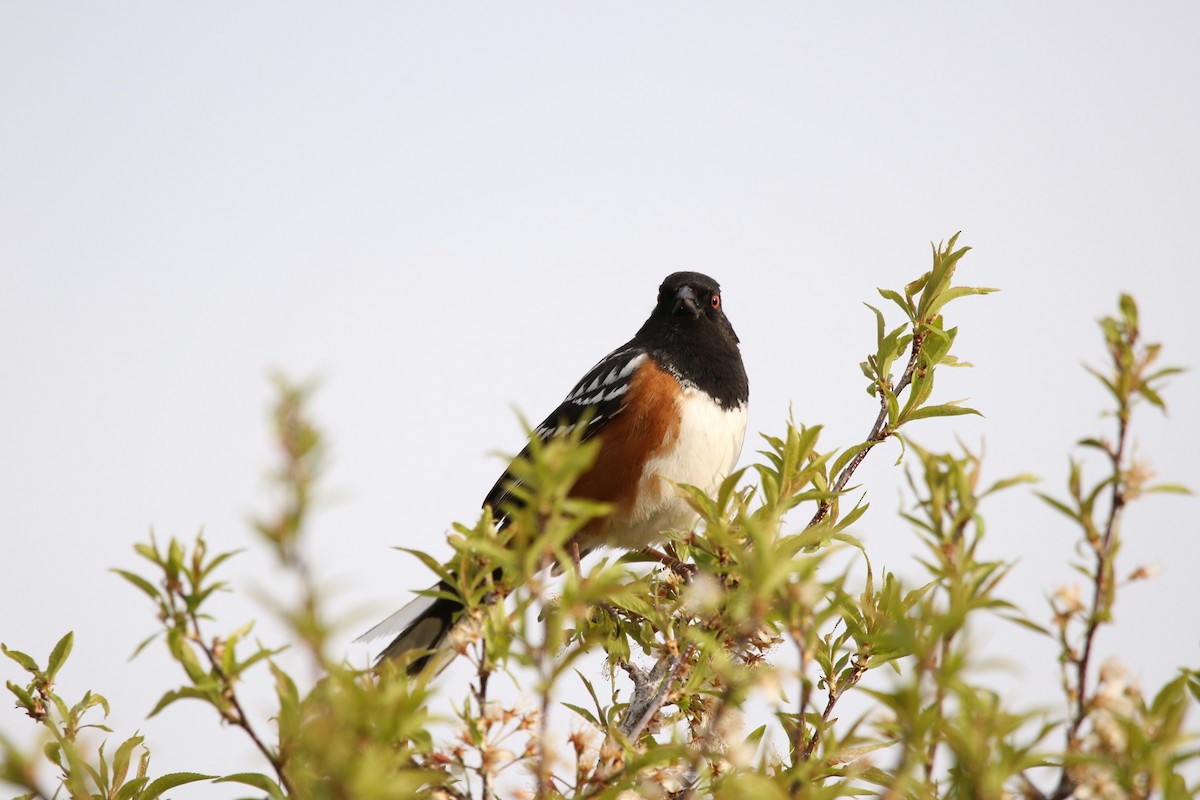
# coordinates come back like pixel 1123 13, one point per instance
pixel 716 301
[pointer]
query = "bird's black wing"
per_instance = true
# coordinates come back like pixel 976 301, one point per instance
pixel 600 395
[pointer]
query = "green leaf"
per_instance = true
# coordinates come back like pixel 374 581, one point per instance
pixel 148 588
pixel 953 294
pixel 170 781
pixel 132 789
pixel 879 327
pixel 149 551
pixel 592 692
pixel 846 456
pixel 1163 373
pixel 120 763
pixel 893 407
pixel 101 780
pixel 914 596
pixel 257 780
pixel 1169 488
pixel 1094 442
pixel 53 753
pixel 944 410
pixel 1027 623
pixel 288 694
pixel 583 712
pixel 1004 483
pixel 905 305
pixel 218 560
pixel 431 563
pixel 849 519
pixel 1151 395
pixel 182 693
pixel 1129 310
pixel 27 663
pixel 1108 384
pixel 175 557
pixel 58 655
pixel 24 698
pixel 1193 684
pixel 143 644
pixel 912 288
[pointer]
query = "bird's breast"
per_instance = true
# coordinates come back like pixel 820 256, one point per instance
pixel 699 450
pixel 708 444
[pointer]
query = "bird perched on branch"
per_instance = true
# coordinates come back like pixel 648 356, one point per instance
pixel 668 406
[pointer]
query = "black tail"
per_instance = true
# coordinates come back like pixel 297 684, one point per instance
pixel 422 625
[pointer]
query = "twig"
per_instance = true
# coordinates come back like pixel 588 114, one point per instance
pixel 835 693
pixel 643 706
pixel 879 431
pixel 805 697
pixel 485 775
pixel 938 702
pixel 544 769
pixel 710 737
pixel 947 640
pixel 1101 586
pixel 241 720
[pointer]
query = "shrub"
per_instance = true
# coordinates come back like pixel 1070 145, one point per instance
pixel 752 615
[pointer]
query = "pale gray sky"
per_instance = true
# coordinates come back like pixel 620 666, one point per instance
pixel 448 210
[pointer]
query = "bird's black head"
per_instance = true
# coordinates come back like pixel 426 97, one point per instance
pixel 689 334
pixel 691 302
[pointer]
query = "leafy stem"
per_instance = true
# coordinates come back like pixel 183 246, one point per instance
pixel 237 716
pixel 880 431
pixel 1128 381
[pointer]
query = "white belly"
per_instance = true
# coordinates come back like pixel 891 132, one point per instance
pixel 708 446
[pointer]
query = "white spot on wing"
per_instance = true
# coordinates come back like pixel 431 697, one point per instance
pixel 549 431
pixel 617 378
pixel 633 364
pixel 617 392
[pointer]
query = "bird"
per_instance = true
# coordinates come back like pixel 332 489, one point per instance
pixel 668 407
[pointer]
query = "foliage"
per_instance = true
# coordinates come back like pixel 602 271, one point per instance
pixel 747 616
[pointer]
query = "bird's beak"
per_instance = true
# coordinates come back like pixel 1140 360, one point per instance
pixel 685 300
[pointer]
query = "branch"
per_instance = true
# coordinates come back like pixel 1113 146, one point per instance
pixel 650 691
pixel 835 693
pixel 1127 384
pixel 879 431
pixel 1100 588
pixel 241 720
pixel 798 744
pixel 481 693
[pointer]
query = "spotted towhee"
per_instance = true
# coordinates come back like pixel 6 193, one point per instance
pixel 668 406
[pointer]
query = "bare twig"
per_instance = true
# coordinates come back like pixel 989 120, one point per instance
pixel 650 691
pixel 481 693
pixel 545 776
